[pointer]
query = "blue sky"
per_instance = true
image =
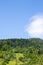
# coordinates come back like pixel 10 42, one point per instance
pixel 15 15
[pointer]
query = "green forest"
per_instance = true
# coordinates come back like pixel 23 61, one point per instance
pixel 21 51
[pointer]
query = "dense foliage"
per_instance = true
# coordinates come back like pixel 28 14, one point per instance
pixel 21 51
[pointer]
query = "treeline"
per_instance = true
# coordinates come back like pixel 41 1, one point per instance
pixel 21 51
pixel 22 42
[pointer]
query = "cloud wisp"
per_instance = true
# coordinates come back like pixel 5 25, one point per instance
pixel 35 27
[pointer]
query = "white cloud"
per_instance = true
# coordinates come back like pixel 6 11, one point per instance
pixel 35 27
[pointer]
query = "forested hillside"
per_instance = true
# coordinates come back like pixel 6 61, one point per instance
pixel 21 51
